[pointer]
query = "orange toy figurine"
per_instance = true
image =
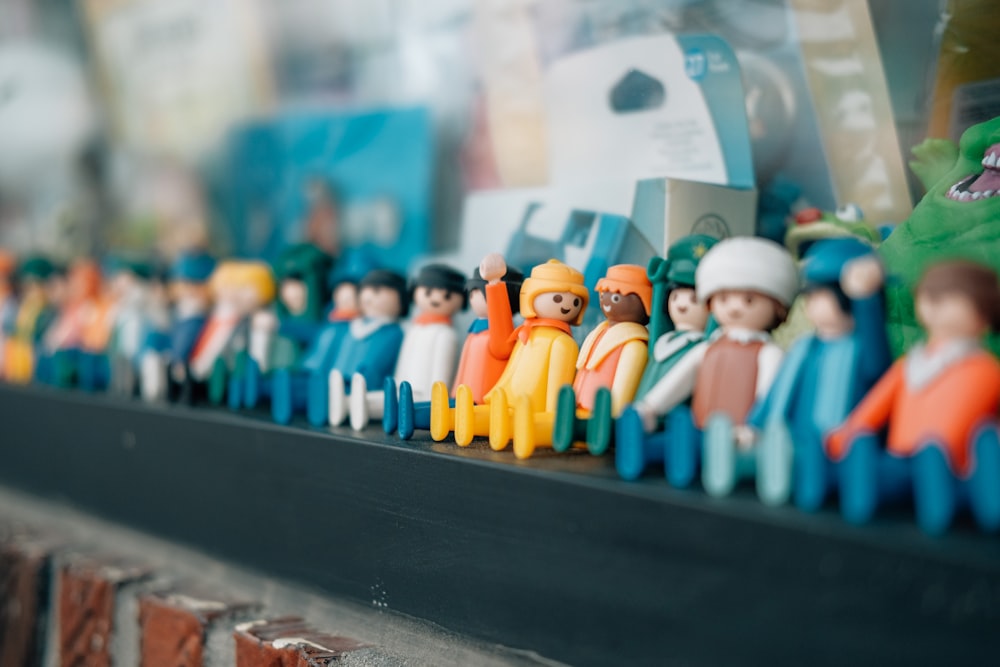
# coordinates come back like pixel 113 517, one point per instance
pixel 553 298
pixel 58 354
pixel 611 359
pixel 940 403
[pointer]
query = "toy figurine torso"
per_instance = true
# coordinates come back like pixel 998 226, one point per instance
pixel 599 358
pixel 667 351
pixel 370 347
pixel 727 380
pixel 426 356
pixel 547 356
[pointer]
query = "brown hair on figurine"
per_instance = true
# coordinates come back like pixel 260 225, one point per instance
pixel 975 281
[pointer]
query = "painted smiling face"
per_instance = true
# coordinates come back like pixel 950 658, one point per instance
pixel 564 306
pixel 686 312
pixel 437 301
pixel 619 307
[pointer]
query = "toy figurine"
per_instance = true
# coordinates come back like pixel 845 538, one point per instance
pixel 824 374
pixel 371 343
pixel 189 292
pixel 239 289
pixel 130 290
pixel 8 302
pixel 677 323
pixel 281 337
pixel 611 359
pixel 429 346
pixel 343 280
pixel 82 314
pixel 956 218
pixel 34 315
pixel 940 404
pixel 543 359
pixel 484 355
pixel 748 284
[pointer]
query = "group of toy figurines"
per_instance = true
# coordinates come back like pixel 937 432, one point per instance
pixel 702 390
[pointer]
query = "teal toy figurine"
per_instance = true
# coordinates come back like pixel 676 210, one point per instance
pixel 280 337
pixel 824 374
pixel 957 218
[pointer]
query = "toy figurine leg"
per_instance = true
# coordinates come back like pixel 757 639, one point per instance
pixel 337 398
pixel 318 398
pixel 564 428
pixel 152 377
pixel 390 405
pixel 774 464
pixel 365 405
pixel 251 385
pixel 443 419
pixel 600 428
pixel 859 480
pixel 500 421
pixel 633 447
pixel 465 414
pixel 529 429
pixel 811 472
pixel 984 483
pixel 281 395
pixel 718 470
pixel 217 382
pixel 682 442
pixel 235 394
pixel 405 412
pixel 933 489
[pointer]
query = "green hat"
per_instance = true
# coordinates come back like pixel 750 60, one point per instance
pixel 36 267
pixel 683 257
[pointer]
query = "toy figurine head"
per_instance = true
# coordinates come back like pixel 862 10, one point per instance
pixel 958 299
pixel 188 282
pixel 748 283
pixel 342 281
pixel 439 290
pixel 626 294
pixel 826 304
pixel 83 281
pixel 555 291
pixel 242 285
pixel 301 272
pixel 382 293
pixel 475 287
pixel 683 308
pixel 125 274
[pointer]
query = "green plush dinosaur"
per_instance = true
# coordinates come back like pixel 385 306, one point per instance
pixel 959 217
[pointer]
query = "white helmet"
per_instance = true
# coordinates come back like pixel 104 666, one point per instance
pixel 748 263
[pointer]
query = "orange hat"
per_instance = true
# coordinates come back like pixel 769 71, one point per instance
pixel 628 279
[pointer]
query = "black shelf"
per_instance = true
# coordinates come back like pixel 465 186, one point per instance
pixel 555 555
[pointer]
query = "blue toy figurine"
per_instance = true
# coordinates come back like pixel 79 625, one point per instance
pixel 824 374
pixel 371 343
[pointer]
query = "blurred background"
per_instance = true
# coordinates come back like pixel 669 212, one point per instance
pixel 243 124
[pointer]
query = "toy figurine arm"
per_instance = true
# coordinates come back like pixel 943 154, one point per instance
pixel 933 158
pixel 873 341
pixel 659 320
pixel 768 362
pixel 677 385
pixel 627 375
pixel 872 413
pixel 501 320
pixel 562 369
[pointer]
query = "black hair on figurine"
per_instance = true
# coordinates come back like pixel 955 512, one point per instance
pixel 512 279
pixel 441 276
pixel 384 278
pixel 843 301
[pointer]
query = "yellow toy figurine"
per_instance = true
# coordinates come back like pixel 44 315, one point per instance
pixel 544 356
pixel 611 358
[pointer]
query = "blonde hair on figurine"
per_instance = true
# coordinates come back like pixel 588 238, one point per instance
pixel 553 276
pixel 241 273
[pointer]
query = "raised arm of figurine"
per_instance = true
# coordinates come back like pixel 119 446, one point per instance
pixel 862 282
pixel 493 268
